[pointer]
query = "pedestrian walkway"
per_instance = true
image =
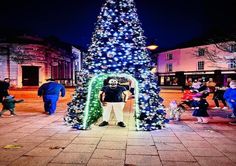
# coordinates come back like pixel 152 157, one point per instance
pixel 40 139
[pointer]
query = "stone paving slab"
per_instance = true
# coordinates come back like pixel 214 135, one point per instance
pixel 196 144
pixel 55 143
pixel 85 140
pixel 105 162
pixel 214 161
pixel 175 156
pixel 140 142
pixel 109 154
pixel 56 164
pixel 43 152
pixel 30 160
pixel 111 145
pixel 176 163
pixel 170 146
pixel 79 148
pixel 72 158
pixel 205 152
pixel 166 139
pixel 143 160
pixel 141 150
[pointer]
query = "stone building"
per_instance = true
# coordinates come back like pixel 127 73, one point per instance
pixel 29 60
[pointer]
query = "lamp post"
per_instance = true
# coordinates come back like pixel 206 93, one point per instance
pixel 152 47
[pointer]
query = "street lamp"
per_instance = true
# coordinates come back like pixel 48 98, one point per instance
pixel 152 47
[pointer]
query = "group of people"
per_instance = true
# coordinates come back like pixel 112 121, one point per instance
pixel 113 97
pixel 197 101
pixel 50 92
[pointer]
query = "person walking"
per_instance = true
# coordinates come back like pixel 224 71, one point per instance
pixel 230 98
pixel 219 95
pixel 9 105
pixel 200 105
pixel 50 92
pixel 4 86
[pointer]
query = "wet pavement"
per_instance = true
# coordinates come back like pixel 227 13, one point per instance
pixel 36 139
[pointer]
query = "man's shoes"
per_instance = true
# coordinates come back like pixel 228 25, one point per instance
pixel 13 114
pixel 121 124
pixel 216 108
pixel 232 123
pixel 104 123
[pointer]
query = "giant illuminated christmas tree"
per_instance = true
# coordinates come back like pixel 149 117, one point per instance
pixel 117 49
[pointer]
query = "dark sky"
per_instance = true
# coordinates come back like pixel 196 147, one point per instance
pixel 170 22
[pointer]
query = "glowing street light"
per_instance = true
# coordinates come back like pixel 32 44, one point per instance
pixel 152 47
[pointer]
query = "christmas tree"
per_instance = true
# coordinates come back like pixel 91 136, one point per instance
pixel 118 48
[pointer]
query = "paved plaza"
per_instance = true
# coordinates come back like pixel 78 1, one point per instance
pixel 36 139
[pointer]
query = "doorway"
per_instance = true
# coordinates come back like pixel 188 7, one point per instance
pixel 30 75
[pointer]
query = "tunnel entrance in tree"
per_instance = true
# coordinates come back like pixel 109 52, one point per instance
pixel 93 109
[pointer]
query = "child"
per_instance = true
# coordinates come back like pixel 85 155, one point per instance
pixel 200 105
pixel 9 105
pixel 175 110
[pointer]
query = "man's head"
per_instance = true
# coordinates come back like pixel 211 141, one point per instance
pixel 7 80
pixel 113 83
pixel 233 84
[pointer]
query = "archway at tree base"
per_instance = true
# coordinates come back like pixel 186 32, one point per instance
pixel 93 109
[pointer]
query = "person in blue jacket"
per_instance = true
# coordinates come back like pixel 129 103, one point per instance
pixel 50 92
pixel 230 98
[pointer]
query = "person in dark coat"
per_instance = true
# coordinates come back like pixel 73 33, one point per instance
pixel 50 92
pixel 219 95
pixel 4 86
pixel 200 105
pixel 9 105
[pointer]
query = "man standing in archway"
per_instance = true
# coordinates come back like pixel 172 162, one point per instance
pixel 113 97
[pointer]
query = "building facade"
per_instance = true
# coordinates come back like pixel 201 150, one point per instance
pixel 177 67
pixel 29 61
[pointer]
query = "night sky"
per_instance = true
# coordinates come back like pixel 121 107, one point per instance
pixel 169 22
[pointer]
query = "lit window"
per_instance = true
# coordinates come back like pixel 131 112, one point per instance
pixel 169 56
pixel 201 52
pixel 232 64
pixel 200 65
pixel 169 67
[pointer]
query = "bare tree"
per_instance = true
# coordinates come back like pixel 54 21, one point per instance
pixel 218 50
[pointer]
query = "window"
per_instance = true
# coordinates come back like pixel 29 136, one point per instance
pixel 200 65
pixel 233 48
pixel 169 67
pixel 169 56
pixel 232 64
pixel 201 52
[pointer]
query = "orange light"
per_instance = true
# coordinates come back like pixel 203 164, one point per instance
pixel 152 47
